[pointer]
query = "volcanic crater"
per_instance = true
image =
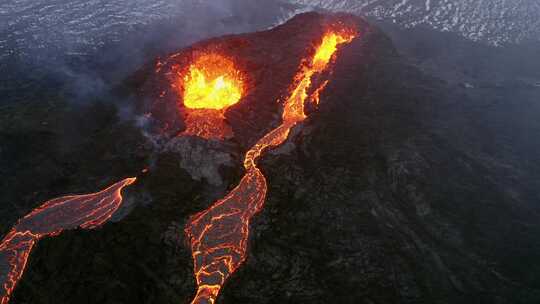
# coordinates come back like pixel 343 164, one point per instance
pixel 267 62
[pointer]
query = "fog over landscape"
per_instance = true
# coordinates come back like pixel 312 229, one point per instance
pixel 60 35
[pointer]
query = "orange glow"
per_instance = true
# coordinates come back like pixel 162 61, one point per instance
pixel 328 47
pixel 219 234
pixel 212 82
pixel 207 123
pixel 210 85
pixel 316 96
pixel 294 107
pixel 87 211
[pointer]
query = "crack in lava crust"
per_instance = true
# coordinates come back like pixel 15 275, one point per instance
pixel 219 234
pixel 87 211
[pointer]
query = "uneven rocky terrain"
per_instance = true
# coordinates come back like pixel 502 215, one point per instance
pixel 405 186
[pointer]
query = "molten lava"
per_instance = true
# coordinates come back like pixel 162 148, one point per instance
pixel 208 124
pixel 327 49
pixel 316 96
pixel 212 82
pixel 210 85
pixel 219 234
pixel 87 211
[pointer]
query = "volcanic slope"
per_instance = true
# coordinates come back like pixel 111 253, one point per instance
pixel 370 202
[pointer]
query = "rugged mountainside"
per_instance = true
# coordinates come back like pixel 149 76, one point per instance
pixel 393 191
pixel 493 21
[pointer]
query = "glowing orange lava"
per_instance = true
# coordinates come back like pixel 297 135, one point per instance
pixel 87 211
pixel 211 84
pixel 316 96
pixel 219 234
pixel 208 124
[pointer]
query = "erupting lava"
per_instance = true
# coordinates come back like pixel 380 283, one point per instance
pixel 210 85
pixel 219 234
pixel 87 211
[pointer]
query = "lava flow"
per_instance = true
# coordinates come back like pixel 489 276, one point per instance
pixel 210 85
pixel 219 234
pixel 87 211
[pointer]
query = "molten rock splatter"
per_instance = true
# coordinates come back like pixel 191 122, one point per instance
pixel 210 85
pixel 50 219
pixel 219 234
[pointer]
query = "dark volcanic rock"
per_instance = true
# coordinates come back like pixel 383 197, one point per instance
pixel 268 60
pixel 379 204
pixel 373 200
pixel 50 147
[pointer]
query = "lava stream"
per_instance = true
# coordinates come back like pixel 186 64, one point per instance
pixel 87 211
pixel 219 234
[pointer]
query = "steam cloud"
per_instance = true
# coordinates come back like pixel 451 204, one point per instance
pixel 85 47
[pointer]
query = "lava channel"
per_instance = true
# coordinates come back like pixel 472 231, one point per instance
pixel 87 211
pixel 209 86
pixel 219 235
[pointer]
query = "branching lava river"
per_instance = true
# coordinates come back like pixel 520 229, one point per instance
pixel 87 211
pixel 219 235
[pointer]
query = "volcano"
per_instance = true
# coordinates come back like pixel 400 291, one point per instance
pixel 206 88
pixel 246 79
pixel 204 83
pixel 308 163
